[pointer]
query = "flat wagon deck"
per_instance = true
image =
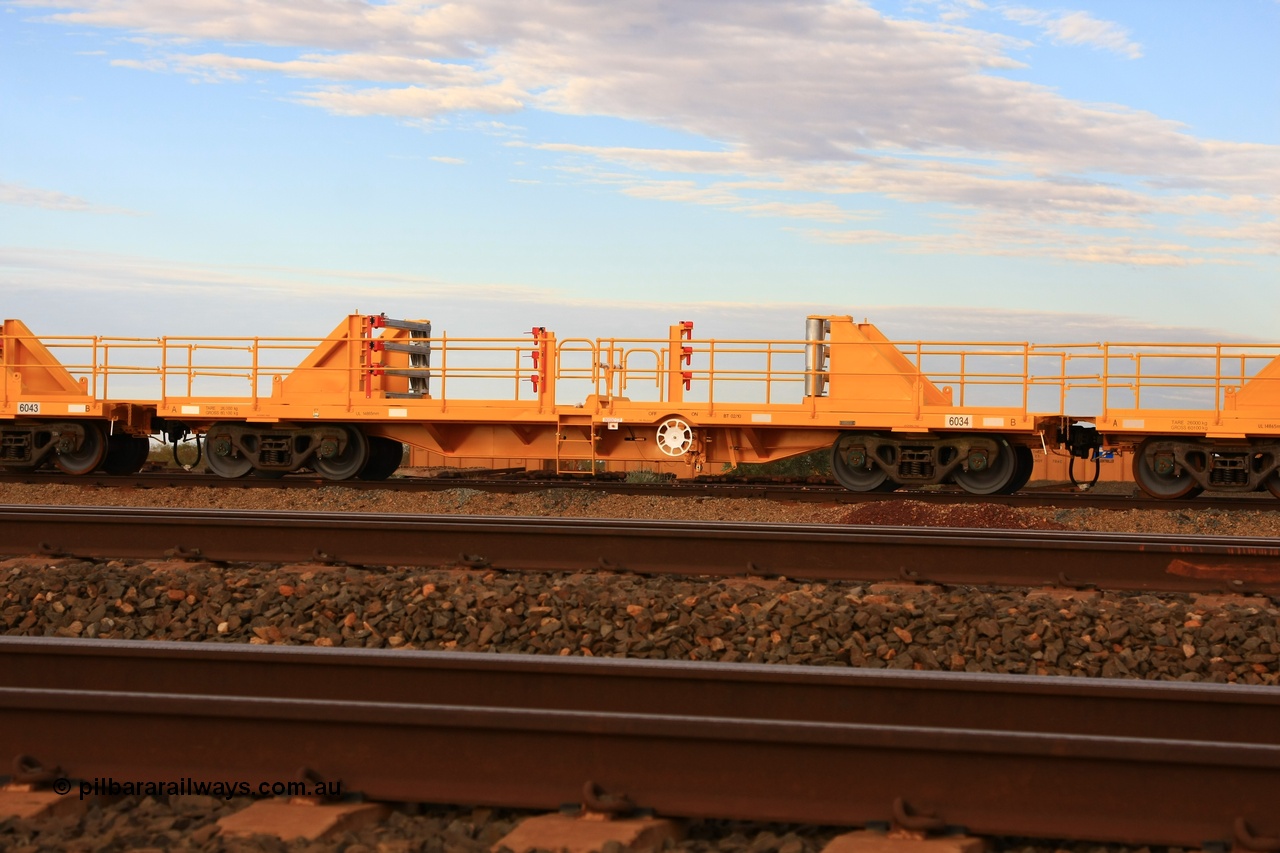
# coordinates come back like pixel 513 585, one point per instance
pixel 893 413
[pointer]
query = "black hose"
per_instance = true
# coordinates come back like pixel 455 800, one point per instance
pixel 1097 471
pixel 199 453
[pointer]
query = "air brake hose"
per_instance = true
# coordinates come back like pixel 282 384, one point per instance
pixel 1097 471
pixel 199 454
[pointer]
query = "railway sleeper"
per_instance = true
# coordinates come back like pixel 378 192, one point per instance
pixel 980 464
pixel 1180 467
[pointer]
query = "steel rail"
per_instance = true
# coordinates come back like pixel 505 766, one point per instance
pixel 1056 496
pixel 957 556
pixel 1098 759
pixel 1103 707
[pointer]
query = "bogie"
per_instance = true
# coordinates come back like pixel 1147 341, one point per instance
pixel 27 446
pixel 1169 467
pixel 74 447
pixel 334 451
pixel 979 464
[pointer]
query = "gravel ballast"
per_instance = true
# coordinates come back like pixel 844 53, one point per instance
pixel 625 615
pixel 1264 521
pixel 1079 634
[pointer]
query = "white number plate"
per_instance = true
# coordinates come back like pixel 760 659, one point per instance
pixel 28 408
pixel 960 421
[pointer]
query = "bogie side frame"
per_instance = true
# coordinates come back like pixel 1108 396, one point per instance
pixel 891 413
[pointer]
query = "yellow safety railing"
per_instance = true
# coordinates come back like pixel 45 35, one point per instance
pixel 179 365
pixel 1145 374
pixel 1189 375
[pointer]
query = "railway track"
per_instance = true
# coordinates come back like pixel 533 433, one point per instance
pixel 1124 761
pixel 1045 495
pixel 956 556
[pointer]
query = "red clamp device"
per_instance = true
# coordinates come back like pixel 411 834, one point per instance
pixel 686 333
pixel 539 337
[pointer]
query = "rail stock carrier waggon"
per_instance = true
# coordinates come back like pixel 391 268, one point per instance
pixel 1192 416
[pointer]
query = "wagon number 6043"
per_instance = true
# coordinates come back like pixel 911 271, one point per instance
pixel 28 408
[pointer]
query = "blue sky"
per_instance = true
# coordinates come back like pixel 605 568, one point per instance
pixel 946 168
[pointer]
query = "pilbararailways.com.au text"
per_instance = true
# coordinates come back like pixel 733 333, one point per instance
pixel 110 787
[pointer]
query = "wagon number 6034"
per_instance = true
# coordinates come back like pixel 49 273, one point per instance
pixel 960 420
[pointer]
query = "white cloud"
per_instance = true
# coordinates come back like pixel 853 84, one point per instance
pixel 24 196
pixel 993 237
pixel 952 10
pixel 1263 235
pixel 145 276
pixel 414 101
pixel 725 195
pixel 804 79
pixel 312 300
pixel 825 97
pixel 368 68
pixel 1079 28
pixel 995 211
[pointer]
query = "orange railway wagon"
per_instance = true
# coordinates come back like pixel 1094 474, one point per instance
pixel 891 413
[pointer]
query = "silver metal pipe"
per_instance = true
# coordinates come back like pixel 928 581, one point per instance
pixel 815 356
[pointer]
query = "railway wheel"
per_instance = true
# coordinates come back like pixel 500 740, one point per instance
pixel 221 455
pixel 385 455
pixel 995 477
pixel 86 457
pixel 126 454
pixel 1273 484
pixel 345 464
pixel 1026 465
pixel 853 468
pixel 1158 475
